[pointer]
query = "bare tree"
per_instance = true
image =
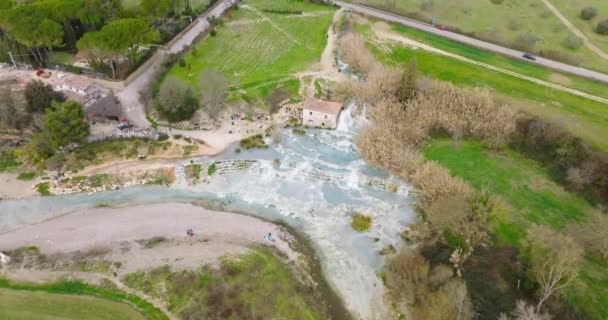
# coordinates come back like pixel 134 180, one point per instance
pixel 10 115
pixel 213 87
pixel 354 52
pixel 524 311
pixel 555 260
pixel 592 235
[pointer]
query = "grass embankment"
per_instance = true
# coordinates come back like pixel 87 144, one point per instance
pixel 585 118
pixel 259 51
pixel 509 23
pixel 256 284
pixel 99 152
pixel 72 300
pixel 530 198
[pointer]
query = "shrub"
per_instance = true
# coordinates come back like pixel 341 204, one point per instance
pixel 211 169
pixel 602 27
pixel 43 189
pixel 182 62
pixel 560 56
pixel 26 176
pixel 176 101
pixel 256 141
pixel 588 13
pixel 213 33
pixel 572 42
pixel 361 222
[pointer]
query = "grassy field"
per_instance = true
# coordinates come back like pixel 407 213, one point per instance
pixel 504 23
pixel 256 284
pixel 25 305
pixel 259 51
pixel 585 118
pixel 72 300
pixel 530 197
pixel 571 9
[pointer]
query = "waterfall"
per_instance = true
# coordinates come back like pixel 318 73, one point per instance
pixel 345 121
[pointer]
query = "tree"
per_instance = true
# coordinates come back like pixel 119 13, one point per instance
pixel 213 87
pixel 555 260
pixel 158 8
pixel 176 101
pixel 407 86
pixel 119 38
pixel 588 13
pixel 49 34
pixel 66 123
pixel 39 96
pixel 10 115
pixel 602 27
pixel 523 311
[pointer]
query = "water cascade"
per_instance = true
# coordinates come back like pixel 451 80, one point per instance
pixel 314 182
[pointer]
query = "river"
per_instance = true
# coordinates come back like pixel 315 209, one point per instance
pixel 313 182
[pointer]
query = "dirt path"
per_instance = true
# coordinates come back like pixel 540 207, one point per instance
pixel 382 33
pixel 574 30
pixel 326 68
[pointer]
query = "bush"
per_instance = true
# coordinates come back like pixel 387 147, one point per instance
pixel 361 222
pixel 256 141
pixel 176 101
pixel 182 62
pixel 560 56
pixel 602 27
pixel 572 42
pixel 43 189
pixel 588 13
pixel 211 169
pixel 213 33
pixel 26 176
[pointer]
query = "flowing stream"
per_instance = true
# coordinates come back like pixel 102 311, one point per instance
pixel 314 182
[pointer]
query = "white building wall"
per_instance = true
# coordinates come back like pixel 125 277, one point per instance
pixel 319 119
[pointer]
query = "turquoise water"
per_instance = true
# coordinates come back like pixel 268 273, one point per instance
pixel 313 182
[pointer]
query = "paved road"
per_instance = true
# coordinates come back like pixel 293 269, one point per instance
pixel 474 42
pixel 129 97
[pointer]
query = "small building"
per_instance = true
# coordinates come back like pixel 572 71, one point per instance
pixel 320 113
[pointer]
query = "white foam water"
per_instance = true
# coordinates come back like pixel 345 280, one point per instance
pixel 315 182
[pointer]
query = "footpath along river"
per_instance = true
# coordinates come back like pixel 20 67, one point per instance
pixel 313 182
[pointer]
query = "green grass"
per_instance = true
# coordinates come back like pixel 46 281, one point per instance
pixel 257 56
pixel 26 176
pixel 571 9
pixel 8 160
pixel 27 305
pixel 504 23
pixel 256 284
pixel 519 66
pixel 43 189
pixel 361 222
pixel 529 197
pixel 72 300
pixel 585 118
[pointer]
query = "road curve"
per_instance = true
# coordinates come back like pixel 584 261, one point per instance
pixel 474 42
pixel 129 97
